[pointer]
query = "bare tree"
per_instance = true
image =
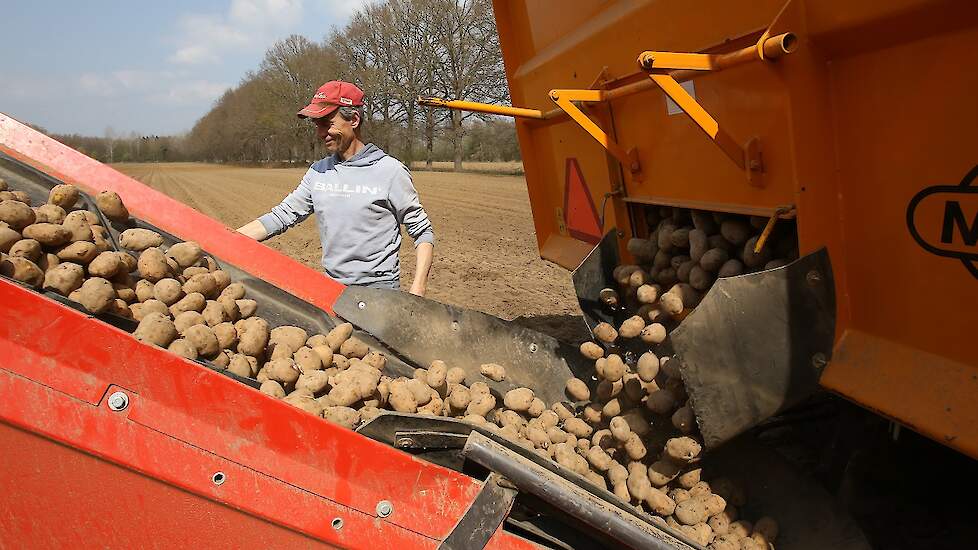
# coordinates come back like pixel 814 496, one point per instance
pixel 469 64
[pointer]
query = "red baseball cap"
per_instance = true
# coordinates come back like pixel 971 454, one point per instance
pixel 331 96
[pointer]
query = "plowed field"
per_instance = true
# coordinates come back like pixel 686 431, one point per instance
pixel 486 254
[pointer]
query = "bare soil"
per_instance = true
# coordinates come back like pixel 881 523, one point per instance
pixel 486 255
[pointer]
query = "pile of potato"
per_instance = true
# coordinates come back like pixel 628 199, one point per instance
pixel 635 436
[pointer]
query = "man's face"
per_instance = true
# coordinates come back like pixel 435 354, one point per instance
pixel 336 132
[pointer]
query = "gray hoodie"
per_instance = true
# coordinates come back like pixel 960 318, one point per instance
pixel 359 205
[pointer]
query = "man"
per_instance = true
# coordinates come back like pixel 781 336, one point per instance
pixel 360 196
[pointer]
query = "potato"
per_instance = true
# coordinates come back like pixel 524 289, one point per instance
pixel 273 388
pixel 152 265
pixel 577 390
pixel 354 347
pixel 246 308
pixel 187 319
pixel 691 512
pixel 614 368
pixel 227 336
pixel 339 334
pixel 204 339
pixel 64 195
pixel 684 420
pixel 455 375
pixel 140 239
pixel 240 366
pixel 731 268
pixel 236 291
pixel 682 449
pixel 78 225
pixel 481 404
pixel 203 283
pixel 724 541
pixel 634 447
pixel 493 371
pixel 112 206
pixel 661 472
pixel 49 213
pixel 766 527
pixel 437 376
pixel 81 252
pixel 231 309
pixel 736 231
pixel 577 427
pixel 342 416
pixel 48 234
pixel 714 503
pixel 402 399
pixel 29 249
pixel 340 362
pixel 659 502
pixel 23 270
pixel 377 360
pixel 689 478
pixel 562 410
pixel 301 400
pixel 95 294
pixel 592 412
pixel 253 337
pixel 647 366
pixel 611 409
pixel 713 259
pixel 8 237
pixel 215 314
pixel 64 278
pixel 147 307
pixel 222 279
pixel 315 381
pixel 156 329
pixel 191 302
pixel 182 348
pixel 107 265
pixel 591 350
pixel 631 327
pixel 167 291
pixel 518 399
pixel 282 370
pixel 605 333
pixel 667 276
pixel 741 528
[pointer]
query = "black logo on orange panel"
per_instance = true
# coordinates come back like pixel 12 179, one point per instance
pixel 943 219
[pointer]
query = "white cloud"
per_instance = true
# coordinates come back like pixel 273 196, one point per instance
pixel 247 25
pixel 170 87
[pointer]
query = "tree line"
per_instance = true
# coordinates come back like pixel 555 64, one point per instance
pixel 395 51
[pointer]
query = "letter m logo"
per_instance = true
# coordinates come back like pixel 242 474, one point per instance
pixel 954 218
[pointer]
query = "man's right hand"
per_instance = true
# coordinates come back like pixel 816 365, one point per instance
pixel 254 229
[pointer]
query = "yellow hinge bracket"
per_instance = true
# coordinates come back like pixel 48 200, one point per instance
pixel 565 99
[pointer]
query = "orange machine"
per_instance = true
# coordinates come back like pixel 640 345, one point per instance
pixel 853 117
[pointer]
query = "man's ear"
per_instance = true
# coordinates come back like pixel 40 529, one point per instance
pixel 356 120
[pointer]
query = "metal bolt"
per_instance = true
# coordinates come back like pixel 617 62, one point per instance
pixel 384 508
pixel 219 478
pixel 533 348
pixel 405 442
pixel 755 165
pixel 455 325
pixel 118 401
pixel 337 523
pixel 813 277
pixel 361 305
pixel 819 361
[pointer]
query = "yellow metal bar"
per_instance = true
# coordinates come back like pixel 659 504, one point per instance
pixel 702 118
pixel 489 108
pixel 565 100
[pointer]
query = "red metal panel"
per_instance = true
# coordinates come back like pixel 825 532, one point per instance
pixel 69 165
pixel 185 422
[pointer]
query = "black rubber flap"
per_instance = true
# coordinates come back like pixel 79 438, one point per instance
pixel 757 344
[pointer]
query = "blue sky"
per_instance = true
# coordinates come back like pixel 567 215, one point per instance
pixel 150 67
